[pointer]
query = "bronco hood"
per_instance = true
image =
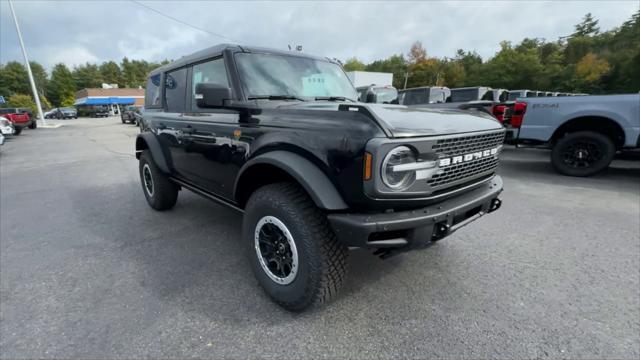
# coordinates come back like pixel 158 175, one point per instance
pixel 402 121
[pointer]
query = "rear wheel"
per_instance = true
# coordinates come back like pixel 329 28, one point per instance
pixel 293 251
pixel 582 153
pixel 160 192
pixel 33 125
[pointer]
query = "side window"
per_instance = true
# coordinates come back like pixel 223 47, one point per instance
pixel 212 71
pixel 152 93
pixel 175 86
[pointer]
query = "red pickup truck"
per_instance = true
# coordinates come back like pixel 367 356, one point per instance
pixel 19 118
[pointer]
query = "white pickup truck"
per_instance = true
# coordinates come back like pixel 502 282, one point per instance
pixel 583 132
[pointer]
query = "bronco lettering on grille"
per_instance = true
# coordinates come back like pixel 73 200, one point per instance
pixel 468 157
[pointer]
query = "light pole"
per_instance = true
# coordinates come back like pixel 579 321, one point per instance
pixel 26 61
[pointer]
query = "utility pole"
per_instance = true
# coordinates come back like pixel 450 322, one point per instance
pixel 26 61
pixel 406 77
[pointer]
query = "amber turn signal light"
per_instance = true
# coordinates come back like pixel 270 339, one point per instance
pixel 367 165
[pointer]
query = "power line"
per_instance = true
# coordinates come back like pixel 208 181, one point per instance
pixel 182 22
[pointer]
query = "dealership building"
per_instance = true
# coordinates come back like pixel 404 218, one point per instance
pixel 113 98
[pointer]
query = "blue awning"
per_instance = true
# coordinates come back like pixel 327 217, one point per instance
pixel 114 100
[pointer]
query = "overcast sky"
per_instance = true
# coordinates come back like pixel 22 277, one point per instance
pixel 75 32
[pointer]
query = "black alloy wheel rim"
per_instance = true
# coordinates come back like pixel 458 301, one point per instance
pixel 583 153
pixel 148 180
pixel 276 250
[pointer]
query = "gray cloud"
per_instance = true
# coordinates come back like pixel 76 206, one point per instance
pixel 75 32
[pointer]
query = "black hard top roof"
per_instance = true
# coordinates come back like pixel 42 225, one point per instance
pixel 218 49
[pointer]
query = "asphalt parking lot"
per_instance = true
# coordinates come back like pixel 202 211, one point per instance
pixel 88 270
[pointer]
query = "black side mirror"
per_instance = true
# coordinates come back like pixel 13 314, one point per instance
pixel 371 97
pixel 210 95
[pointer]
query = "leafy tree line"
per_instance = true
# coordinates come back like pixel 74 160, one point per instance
pixel 60 87
pixel 587 61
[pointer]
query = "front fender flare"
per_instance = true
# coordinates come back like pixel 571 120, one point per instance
pixel 322 191
pixel 154 147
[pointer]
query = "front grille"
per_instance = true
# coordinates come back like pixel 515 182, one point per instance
pixel 463 145
pixel 463 171
pixel 467 144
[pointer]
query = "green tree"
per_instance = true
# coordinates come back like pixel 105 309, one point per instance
pixel 588 26
pixel 62 88
pixel 26 101
pixel 14 79
pixel 353 64
pixel 111 73
pixel 40 77
pixel 395 64
pixel 87 76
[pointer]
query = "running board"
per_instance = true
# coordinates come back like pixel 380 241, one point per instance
pixel 206 194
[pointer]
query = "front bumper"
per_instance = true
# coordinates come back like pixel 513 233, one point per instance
pixel 417 228
pixel 7 130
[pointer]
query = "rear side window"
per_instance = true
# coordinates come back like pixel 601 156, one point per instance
pixel 152 93
pixel 175 86
pixel 212 71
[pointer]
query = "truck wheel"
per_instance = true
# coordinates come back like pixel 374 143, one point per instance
pixel 33 125
pixel 293 251
pixel 582 153
pixel 17 131
pixel 160 192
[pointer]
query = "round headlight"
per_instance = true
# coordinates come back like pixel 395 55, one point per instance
pixel 398 180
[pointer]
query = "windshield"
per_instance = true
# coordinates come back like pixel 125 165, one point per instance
pixel 385 95
pixel 438 96
pixel 300 77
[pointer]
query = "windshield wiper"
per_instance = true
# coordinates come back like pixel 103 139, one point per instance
pixel 276 97
pixel 334 98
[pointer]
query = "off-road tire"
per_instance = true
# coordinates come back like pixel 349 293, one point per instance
pixel 123 120
pixel 165 193
pixel 17 131
pixel 33 125
pixel 602 144
pixel 322 260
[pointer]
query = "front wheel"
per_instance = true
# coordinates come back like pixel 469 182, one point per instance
pixel 293 251
pixel 17 131
pixel 33 125
pixel 582 153
pixel 160 192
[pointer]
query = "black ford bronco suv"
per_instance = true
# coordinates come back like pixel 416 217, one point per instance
pixel 280 137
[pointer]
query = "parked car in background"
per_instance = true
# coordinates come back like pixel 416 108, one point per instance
pixel 50 114
pixel 6 127
pixel 424 95
pixel 378 94
pixel 514 94
pixel 468 94
pixel 583 132
pixel 18 119
pixel 63 113
pixel 98 111
pixel 128 114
